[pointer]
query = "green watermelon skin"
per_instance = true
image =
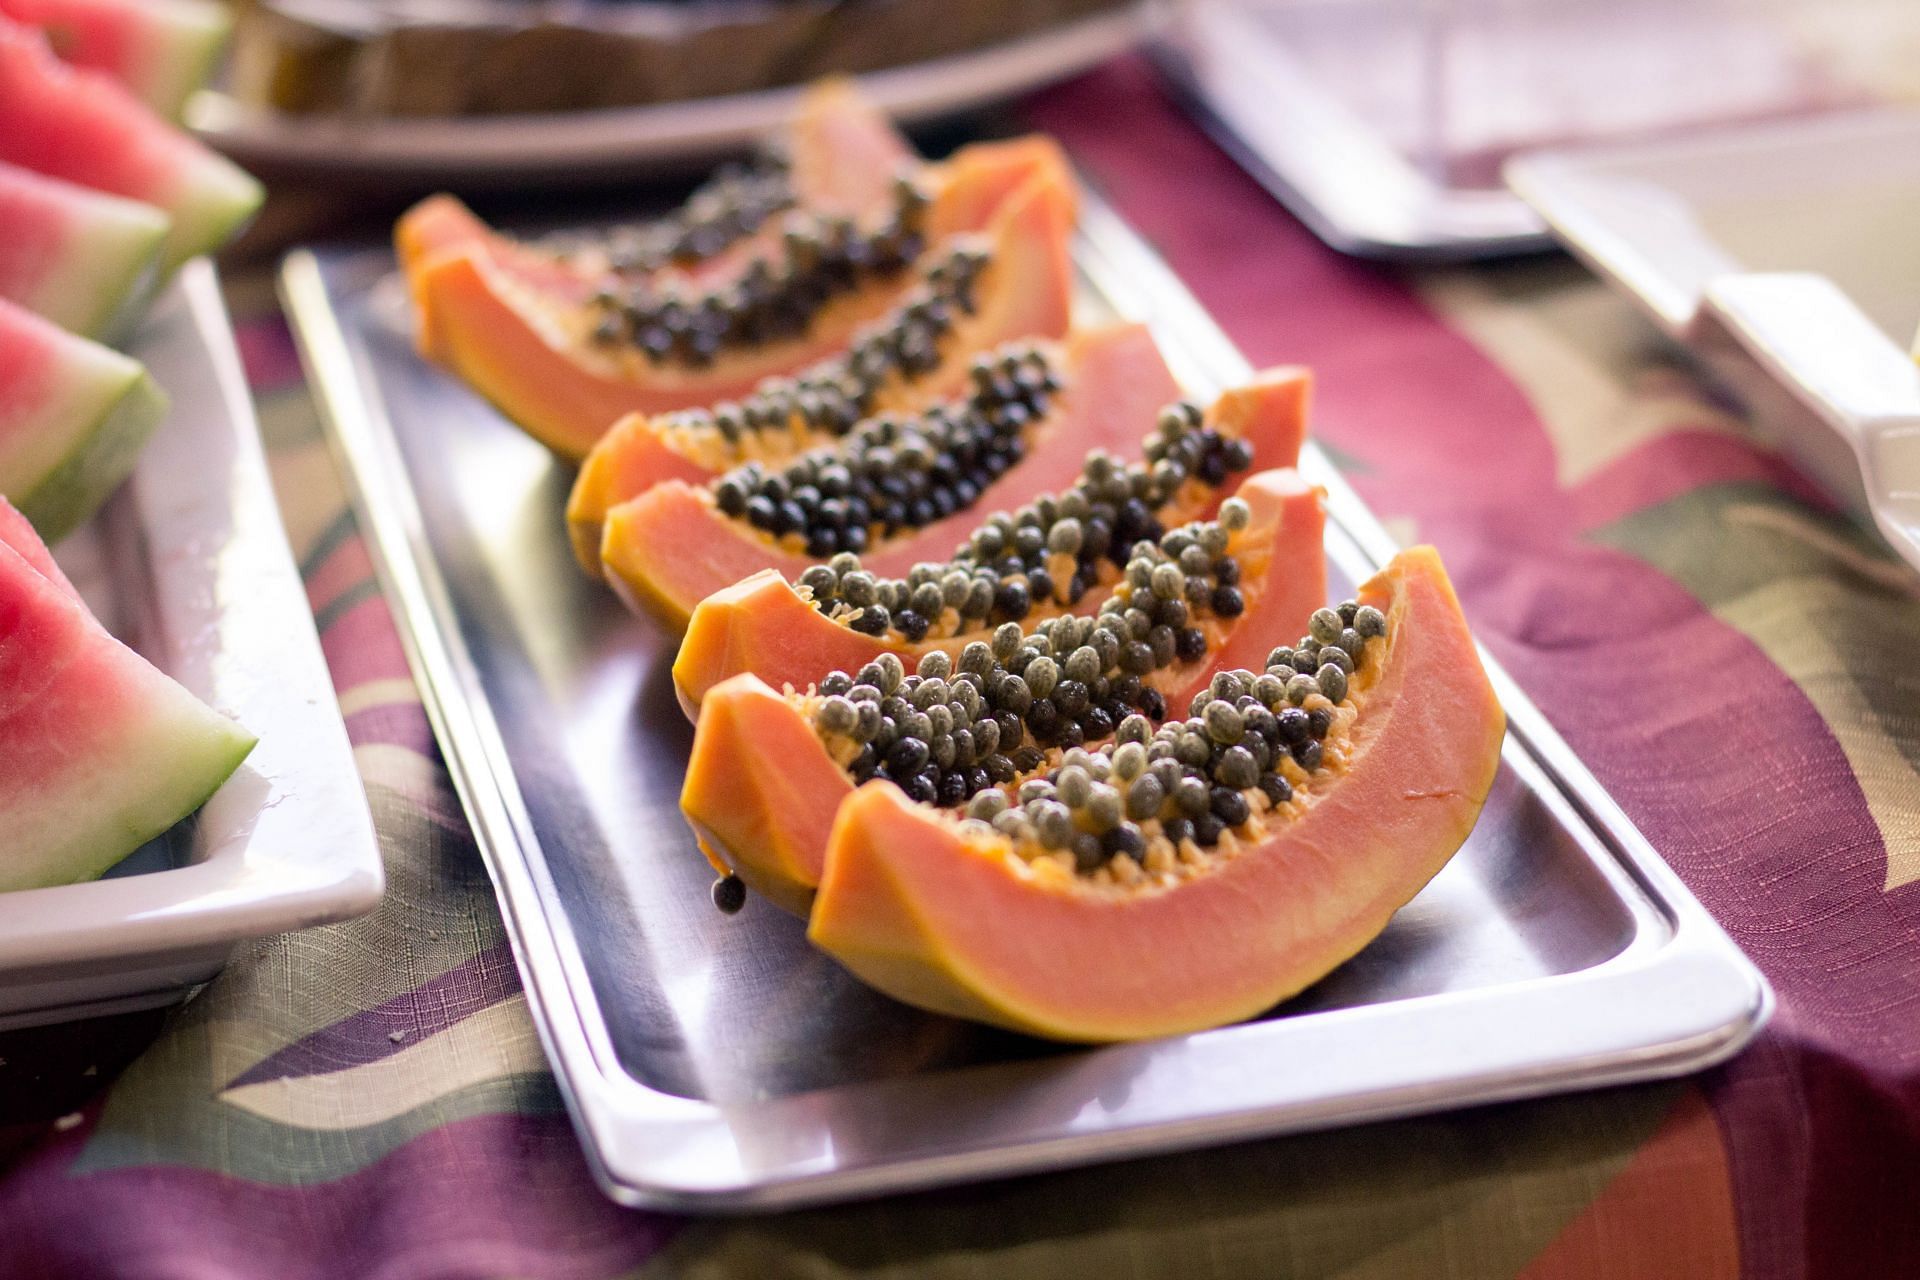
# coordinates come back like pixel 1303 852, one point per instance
pixel 104 751
pixel 73 418
pixel 161 50
pixel 81 126
pixel 83 259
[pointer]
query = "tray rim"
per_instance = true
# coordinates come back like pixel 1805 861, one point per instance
pixel 178 924
pixel 646 1146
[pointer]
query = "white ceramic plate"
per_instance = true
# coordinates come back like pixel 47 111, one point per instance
pixel 188 563
pixel 1789 257
pixel 628 140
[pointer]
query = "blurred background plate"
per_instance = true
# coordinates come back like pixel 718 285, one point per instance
pixel 1383 124
pixel 616 142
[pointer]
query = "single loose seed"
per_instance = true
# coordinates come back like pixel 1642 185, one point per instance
pixel 1325 626
pixel 729 894
pixel 1235 514
pixel 934 665
pixel 1369 621
pixel 1333 682
pixel 1073 786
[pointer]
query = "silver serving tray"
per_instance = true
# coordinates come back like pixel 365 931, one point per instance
pixel 719 1063
pixel 188 564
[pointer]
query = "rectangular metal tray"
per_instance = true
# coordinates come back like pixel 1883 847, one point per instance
pixel 188 564
pixel 716 1063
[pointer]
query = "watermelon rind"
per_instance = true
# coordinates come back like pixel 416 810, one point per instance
pixel 214 200
pixel 105 277
pixel 98 460
pixel 166 756
pixel 196 35
pixel 59 465
pixel 160 50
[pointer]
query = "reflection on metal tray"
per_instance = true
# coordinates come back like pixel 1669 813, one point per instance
pixel 720 1063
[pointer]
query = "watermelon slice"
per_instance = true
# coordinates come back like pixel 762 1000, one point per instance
pixel 103 752
pixel 73 123
pixel 73 415
pixel 16 531
pixel 160 49
pixel 78 257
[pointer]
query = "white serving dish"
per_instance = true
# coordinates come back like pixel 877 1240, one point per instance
pixel 1789 258
pixel 627 141
pixel 189 564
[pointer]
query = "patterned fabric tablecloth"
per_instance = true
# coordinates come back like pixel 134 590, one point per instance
pixel 1734 659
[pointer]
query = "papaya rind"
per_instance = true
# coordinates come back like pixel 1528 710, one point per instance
pixel 903 885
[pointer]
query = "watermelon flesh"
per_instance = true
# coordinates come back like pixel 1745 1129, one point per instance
pixel 73 415
pixel 76 256
pixel 16 531
pixel 161 50
pixel 103 751
pixel 81 126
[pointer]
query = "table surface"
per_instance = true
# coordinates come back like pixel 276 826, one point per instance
pixel 1734 659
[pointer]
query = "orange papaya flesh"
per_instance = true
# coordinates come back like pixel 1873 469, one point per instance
pixel 766 625
pixel 843 155
pixel 682 548
pixel 519 328
pixel 951 917
pixel 763 786
pixel 1026 291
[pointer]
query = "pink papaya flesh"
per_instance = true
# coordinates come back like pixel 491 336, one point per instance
pixel 763 786
pixel 952 917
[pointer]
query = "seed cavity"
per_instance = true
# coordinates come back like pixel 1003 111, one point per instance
pixel 821 258
pixel 1018 561
pixel 893 474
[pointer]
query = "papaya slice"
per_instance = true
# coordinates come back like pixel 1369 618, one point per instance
pixel 676 544
pixel 565 347
pixel 763 782
pixel 960 918
pixel 781 629
pixel 841 155
pixel 1027 294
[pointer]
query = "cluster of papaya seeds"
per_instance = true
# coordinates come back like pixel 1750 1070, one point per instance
pixel 769 768
pixel 1053 554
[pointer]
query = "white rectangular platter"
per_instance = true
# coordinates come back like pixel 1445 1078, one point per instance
pixel 188 564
